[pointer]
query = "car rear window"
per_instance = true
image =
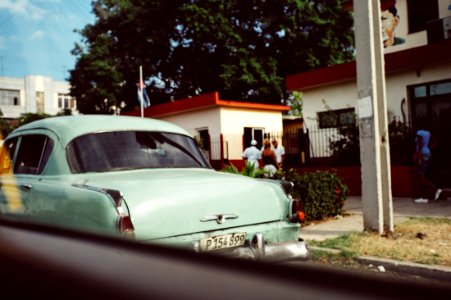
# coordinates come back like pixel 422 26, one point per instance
pixel 127 150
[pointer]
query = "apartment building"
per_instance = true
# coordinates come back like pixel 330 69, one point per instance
pixel 34 94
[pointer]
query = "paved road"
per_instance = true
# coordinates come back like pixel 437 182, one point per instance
pixel 402 209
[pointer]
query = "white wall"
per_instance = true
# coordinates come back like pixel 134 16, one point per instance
pixel 443 8
pixel 337 96
pixel 228 121
pixel 233 121
pixel 191 121
pixel 344 95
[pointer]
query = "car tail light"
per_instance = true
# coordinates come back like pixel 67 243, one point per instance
pixel 296 211
pixel 125 226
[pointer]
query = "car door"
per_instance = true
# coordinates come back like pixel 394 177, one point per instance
pixel 23 160
pixel 11 196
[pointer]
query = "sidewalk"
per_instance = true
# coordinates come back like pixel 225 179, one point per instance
pixel 402 209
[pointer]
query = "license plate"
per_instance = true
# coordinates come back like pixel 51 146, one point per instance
pixel 222 241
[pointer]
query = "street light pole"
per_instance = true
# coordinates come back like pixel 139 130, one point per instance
pixel 372 113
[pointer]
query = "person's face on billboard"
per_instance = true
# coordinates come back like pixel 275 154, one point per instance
pixel 389 23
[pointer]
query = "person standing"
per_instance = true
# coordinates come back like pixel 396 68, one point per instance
pixel 269 159
pixel 424 141
pixel 279 150
pixel 251 154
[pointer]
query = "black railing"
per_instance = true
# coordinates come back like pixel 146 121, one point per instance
pixel 312 145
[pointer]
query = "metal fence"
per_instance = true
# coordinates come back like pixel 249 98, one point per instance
pixel 307 144
pixel 312 145
pixel 301 145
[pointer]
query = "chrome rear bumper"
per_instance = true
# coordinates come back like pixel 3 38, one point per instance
pixel 258 250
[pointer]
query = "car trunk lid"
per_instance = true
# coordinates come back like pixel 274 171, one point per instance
pixel 174 202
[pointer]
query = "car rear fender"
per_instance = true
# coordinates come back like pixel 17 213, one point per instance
pixel 124 224
pixel 62 204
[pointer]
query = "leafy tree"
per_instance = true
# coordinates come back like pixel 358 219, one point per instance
pixel 243 49
pixel 296 104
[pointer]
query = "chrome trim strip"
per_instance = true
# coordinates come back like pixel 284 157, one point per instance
pixel 219 218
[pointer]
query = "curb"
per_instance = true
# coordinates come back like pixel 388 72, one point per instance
pixel 429 271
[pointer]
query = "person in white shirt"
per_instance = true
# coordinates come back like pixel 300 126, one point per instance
pixel 251 154
pixel 279 150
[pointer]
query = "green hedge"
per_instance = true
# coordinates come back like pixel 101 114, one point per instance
pixel 322 193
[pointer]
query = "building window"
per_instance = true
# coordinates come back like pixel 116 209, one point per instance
pixel 9 97
pixel 65 101
pixel 40 107
pixel 420 12
pixel 430 103
pixel 336 118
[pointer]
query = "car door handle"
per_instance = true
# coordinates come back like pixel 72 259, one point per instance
pixel 26 187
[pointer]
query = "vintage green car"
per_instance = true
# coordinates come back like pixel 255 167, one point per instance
pixel 144 179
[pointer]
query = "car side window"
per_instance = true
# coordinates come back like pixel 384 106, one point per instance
pixel 7 155
pixel 34 152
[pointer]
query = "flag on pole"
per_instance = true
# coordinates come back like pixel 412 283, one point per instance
pixel 143 98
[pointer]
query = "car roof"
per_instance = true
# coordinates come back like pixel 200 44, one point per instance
pixel 69 127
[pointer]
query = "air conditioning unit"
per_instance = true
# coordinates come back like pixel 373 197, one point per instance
pixel 439 30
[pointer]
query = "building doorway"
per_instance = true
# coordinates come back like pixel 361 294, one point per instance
pixel 251 133
pixel 203 139
pixel 431 105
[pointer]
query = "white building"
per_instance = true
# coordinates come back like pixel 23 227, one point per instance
pixel 418 77
pixel 225 127
pixel 34 94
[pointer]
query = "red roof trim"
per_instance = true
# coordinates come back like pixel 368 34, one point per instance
pixel 323 76
pixel 384 4
pixel 202 102
pixel 413 58
pixel 255 106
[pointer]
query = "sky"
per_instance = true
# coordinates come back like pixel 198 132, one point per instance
pixel 36 36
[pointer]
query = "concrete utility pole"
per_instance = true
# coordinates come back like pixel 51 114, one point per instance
pixel 372 113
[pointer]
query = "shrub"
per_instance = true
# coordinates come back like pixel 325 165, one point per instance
pixel 345 148
pixel 248 170
pixel 322 193
pixel 231 169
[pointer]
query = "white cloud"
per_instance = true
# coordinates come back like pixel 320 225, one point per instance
pixel 5 41
pixel 24 8
pixel 38 34
pixel 14 38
